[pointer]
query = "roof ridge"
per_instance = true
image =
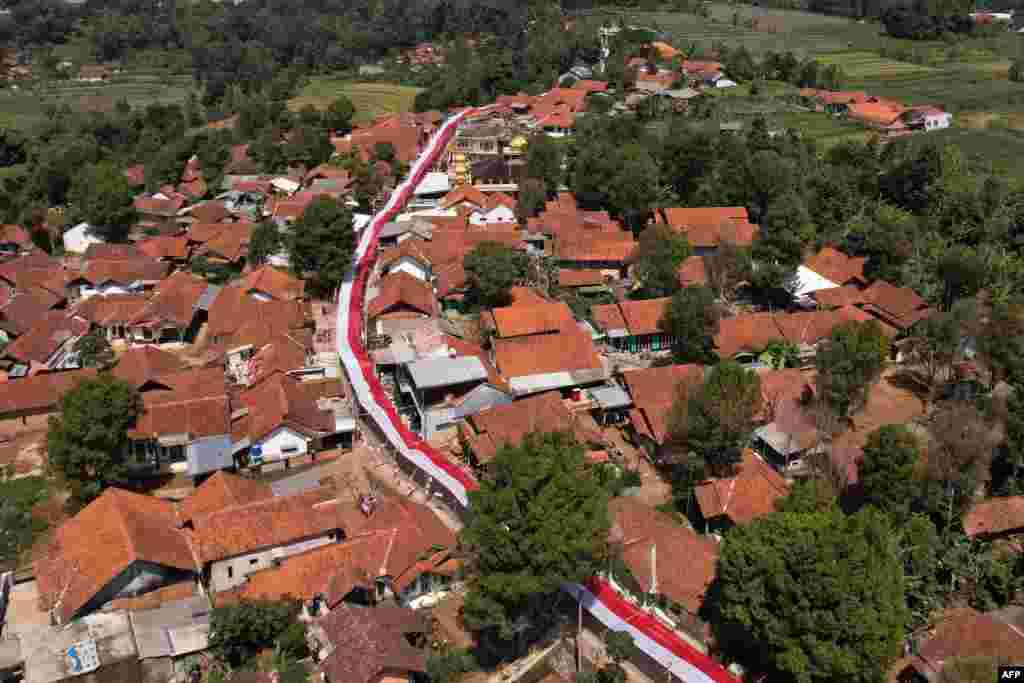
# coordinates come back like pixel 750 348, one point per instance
pixel 122 521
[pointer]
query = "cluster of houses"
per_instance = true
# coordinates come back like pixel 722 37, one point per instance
pixel 886 116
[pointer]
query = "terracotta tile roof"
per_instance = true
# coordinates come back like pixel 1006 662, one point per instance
pixel 608 317
pixel 879 113
pixel 463 194
pixel 165 247
pixel 163 208
pixel 273 282
pixel 128 527
pixel 26 309
pixel 590 86
pixel 707 236
pixel 636 317
pixel 535 318
pixel 39 393
pixel 281 353
pixel 399 291
pixel 174 300
pixel 674 547
pixel 579 278
pixel 195 403
pixel 995 516
pixel 283 401
pixel 112 309
pixel 964 633
pixel 833 297
pixel 511 423
pixel 141 364
pixel 15 234
pixel 836 266
pixel 898 306
pixel 235 308
pixel 110 252
pixel 201 233
pixel 97 271
pixel 836 97
pixel 614 247
pixel 230 244
pixel 703 216
pixel 782 385
pixel 222 490
pixel 693 272
pixel 136 175
pixel 367 642
pixel 751 493
pixel 36 270
pixel 405 140
pixel 240 529
pixel 653 391
pixel 209 212
pixel 46 336
pixel 542 354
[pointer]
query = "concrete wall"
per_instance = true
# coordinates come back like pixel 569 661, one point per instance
pixel 209 454
pixel 273 444
pixel 231 572
pixel 138 578
pixel 407 266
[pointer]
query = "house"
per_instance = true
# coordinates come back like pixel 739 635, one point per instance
pixel 171 249
pixel 49 342
pixel 235 541
pixel 693 271
pixel 929 118
pixel 994 638
pixel 185 425
pixel 584 281
pixel 121 270
pixel 35 269
pixel 653 391
pixel 395 549
pixel 664 558
pixel 898 307
pixel 230 246
pixel 446 389
pixel 142 365
pixel 28 403
pixel 752 492
pixel 465 196
pixel 263 346
pixel 286 418
pixel 111 314
pixel 369 645
pixel 488 430
pixel 878 115
pixel 401 295
pixel 174 313
pixel 142 550
pixel 14 240
pixel 833 102
pixel 634 326
pixel 392 234
pixel 27 308
pixel 996 518
pixel 158 208
pixel 827 269
pixel 589 249
pixel 499 208
pixel 243 303
pixel 707 227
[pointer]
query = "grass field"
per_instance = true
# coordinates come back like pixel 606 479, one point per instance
pixel 23 107
pixel 370 99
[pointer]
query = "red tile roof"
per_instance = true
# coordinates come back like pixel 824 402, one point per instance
pixel 230 244
pixel 15 234
pixel 196 404
pixel 705 236
pixel 273 282
pixel 46 337
pixel 39 393
pixel 636 317
pixel 399 291
pixel 836 266
pixel 753 492
pixel 995 516
pixel 713 216
pixel 141 364
pixel 235 308
pixel 654 390
pixel 112 309
pixel 165 247
pixel 283 401
pixel 542 354
pixel 163 208
pixel 693 272
pixel 97 271
pixel 846 295
pixel 649 535
pixel 534 318
pixel 222 490
pixel 590 86
pixel 174 300
pixel 580 278
pixel 368 642
pixel 209 212
pixel 610 247
pixel 465 194
pixel 511 423
pixel 127 527
pixel 900 307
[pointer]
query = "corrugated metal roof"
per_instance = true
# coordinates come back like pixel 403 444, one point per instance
pixel 442 372
pixel 611 396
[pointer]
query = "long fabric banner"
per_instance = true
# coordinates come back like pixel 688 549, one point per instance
pixel 598 597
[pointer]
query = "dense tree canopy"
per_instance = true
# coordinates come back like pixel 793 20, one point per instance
pixel 848 363
pixel 540 520
pixel 811 597
pixel 102 197
pixel 692 321
pixel 887 469
pixel 656 260
pixel 493 269
pixel 321 243
pixel 87 443
pixel 239 631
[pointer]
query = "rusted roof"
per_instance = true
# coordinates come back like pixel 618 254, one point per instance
pixel 105 538
pixel 836 266
pixel 511 423
pixel 369 641
pixel 274 283
pixel 39 393
pixel 222 490
pixel 174 300
pixel 165 247
pixel 141 364
pixel 995 516
pixel 283 401
pixel 535 318
pixel 652 537
pixel 46 336
pixel 751 493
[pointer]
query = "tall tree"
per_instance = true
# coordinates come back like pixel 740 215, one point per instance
pixel 727 268
pixel 692 321
pixel 657 258
pixel 540 521
pixel 714 421
pixel 887 469
pixel 849 362
pixel 239 631
pixel 101 196
pixel 811 597
pixel 266 241
pixel 87 443
pixel 493 269
pixel 934 348
pixel 320 244
pixel 544 158
pixel 94 350
pixel 530 200
pixel 962 445
pixel 1001 343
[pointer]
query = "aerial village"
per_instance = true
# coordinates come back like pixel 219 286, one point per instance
pixel 261 470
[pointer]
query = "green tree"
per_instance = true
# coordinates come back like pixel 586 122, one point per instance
pixel 320 244
pixel 20 526
pixel 887 470
pixel 849 362
pixel 962 272
pixel 531 199
pixel 933 349
pixel 634 189
pixel 266 241
pixel 238 632
pixel 1001 344
pixel 338 117
pixel 657 258
pixel 450 664
pixel 493 269
pixel 692 322
pixel 811 597
pixel 94 350
pixel 87 443
pixel 544 158
pixel 714 421
pixel 101 196
pixel 540 521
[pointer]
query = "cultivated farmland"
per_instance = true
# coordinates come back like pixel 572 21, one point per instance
pixel 370 99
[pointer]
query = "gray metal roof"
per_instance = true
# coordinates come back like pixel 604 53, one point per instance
pixel 611 396
pixel 173 629
pixel 443 372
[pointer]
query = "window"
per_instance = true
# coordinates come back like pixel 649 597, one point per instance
pixel 231 572
pixel 253 561
pixel 290 448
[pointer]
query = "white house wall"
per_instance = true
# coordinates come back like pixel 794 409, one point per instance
pixel 273 444
pixel 231 573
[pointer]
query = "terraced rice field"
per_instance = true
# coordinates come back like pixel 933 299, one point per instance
pixel 23 107
pixel 863 65
pixel 370 99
